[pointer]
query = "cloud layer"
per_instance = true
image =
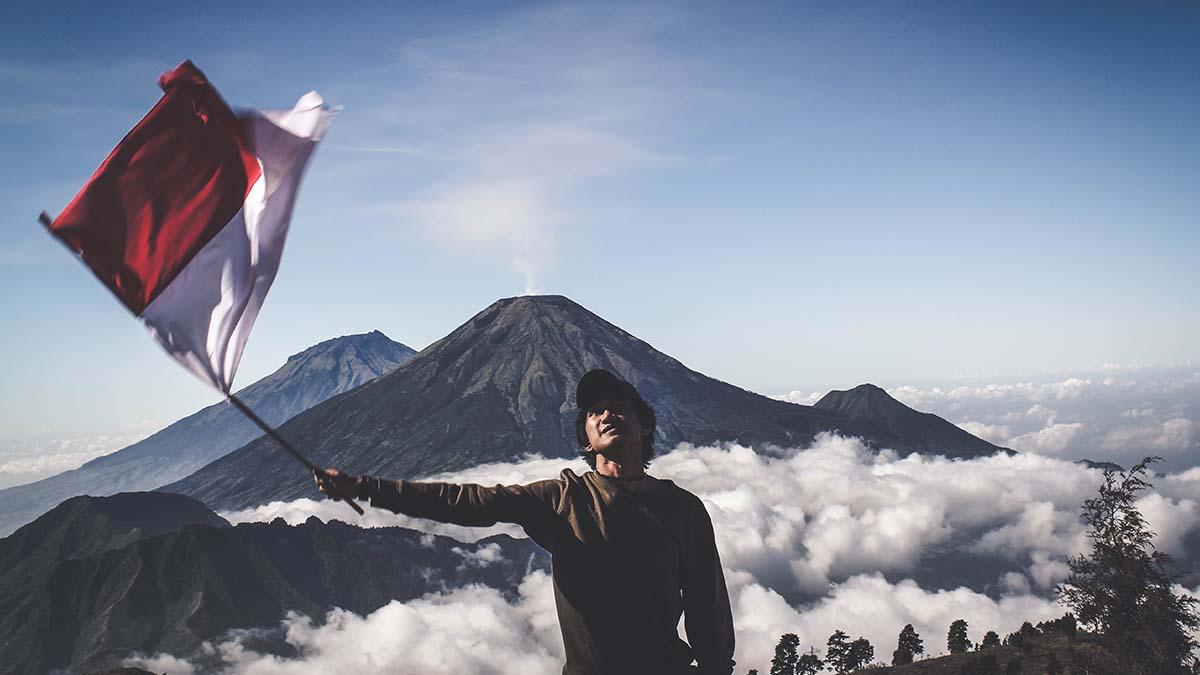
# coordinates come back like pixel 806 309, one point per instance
pixel 1114 413
pixel 29 460
pixel 812 540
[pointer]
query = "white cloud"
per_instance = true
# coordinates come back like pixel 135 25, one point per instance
pixel 29 460
pixel 509 181
pixel 994 433
pixel 823 521
pixel 467 630
pixel 1167 436
pixel 475 630
pixel 797 396
pixel 805 518
pixel 1122 416
pixel 1050 440
pixel 484 556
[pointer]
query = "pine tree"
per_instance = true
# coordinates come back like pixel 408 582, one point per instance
pixel 810 663
pixel 908 646
pixel 836 651
pixel 957 641
pixel 785 659
pixel 990 639
pixel 859 654
pixel 1123 588
pixel 1014 666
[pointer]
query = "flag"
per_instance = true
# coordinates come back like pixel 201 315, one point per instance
pixel 186 219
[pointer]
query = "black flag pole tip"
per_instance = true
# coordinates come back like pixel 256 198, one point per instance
pixel 45 219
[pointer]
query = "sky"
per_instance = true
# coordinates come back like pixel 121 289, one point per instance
pixel 789 197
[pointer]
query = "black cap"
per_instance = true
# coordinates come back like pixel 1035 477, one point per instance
pixel 598 385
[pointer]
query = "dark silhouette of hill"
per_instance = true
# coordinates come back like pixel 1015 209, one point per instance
pixel 501 386
pixel 132 587
pixel 921 430
pixel 83 526
pixel 1084 654
pixel 312 376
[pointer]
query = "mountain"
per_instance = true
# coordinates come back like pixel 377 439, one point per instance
pixel 169 591
pixel 83 526
pixel 502 385
pixel 924 430
pixel 310 377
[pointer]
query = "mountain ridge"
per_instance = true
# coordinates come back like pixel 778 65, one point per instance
pixel 501 386
pixel 168 591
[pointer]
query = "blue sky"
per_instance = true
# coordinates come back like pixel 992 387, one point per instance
pixel 784 196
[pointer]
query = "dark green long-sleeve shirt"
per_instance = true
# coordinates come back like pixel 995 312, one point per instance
pixel 629 557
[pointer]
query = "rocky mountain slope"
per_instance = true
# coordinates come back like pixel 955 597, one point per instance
pixel 310 377
pixel 502 385
pixel 922 430
pixel 96 596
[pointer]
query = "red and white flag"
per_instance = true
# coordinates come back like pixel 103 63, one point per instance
pixel 185 220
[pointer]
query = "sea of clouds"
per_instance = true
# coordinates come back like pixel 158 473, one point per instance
pixel 29 459
pixel 813 539
pixel 1113 413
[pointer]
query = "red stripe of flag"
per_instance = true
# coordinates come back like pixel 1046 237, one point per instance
pixel 167 188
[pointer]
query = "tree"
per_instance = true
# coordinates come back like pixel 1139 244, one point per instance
pixel 752 671
pixel 1053 667
pixel 1065 625
pixel 836 650
pixel 1014 666
pixel 810 663
pixel 990 639
pixel 956 638
pixel 1123 588
pixel 908 646
pixel 785 659
pixel 860 654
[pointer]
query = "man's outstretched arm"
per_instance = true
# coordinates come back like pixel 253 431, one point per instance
pixel 461 504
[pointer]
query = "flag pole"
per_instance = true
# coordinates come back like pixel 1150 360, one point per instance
pixel 45 219
pixel 245 410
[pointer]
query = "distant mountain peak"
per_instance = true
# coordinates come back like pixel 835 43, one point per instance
pixel 865 399
pixel 308 378
pixel 374 339
pixel 871 403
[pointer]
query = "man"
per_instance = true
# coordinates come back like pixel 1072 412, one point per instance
pixel 630 552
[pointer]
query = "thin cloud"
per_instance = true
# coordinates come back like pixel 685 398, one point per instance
pixel 508 182
pixel 1117 413
pixel 29 460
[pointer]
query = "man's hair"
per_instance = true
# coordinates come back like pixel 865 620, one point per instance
pixel 646 417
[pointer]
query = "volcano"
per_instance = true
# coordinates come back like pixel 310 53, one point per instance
pixel 315 374
pixel 501 386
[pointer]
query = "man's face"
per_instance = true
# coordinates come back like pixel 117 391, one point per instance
pixel 613 428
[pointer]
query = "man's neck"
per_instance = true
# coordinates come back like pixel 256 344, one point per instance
pixel 614 469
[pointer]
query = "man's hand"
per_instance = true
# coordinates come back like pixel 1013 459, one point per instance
pixel 335 484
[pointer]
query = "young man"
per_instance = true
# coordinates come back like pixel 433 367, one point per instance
pixel 630 552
